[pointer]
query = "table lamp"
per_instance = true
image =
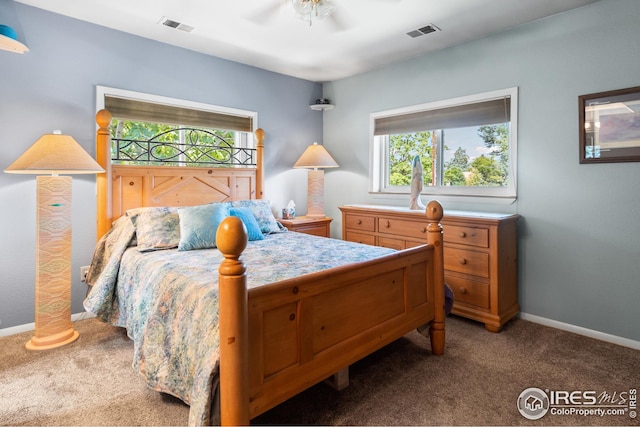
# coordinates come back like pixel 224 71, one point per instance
pixel 9 40
pixel 314 158
pixel 49 156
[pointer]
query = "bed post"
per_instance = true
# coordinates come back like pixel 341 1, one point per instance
pixel 434 214
pixel 231 239
pixel 259 162
pixel 103 180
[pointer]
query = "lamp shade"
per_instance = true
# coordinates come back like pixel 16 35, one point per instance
pixel 9 40
pixel 314 157
pixel 54 154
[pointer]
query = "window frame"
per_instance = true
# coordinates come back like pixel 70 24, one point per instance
pixel 379 165
pixel 243 139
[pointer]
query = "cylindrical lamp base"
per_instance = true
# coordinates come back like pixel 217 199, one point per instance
pixel 52 341
pixel 53 326
pixel 315 193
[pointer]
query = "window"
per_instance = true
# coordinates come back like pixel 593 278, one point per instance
pixel 467 146
pixel 160 131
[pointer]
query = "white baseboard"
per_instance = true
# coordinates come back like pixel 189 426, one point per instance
pixel 5 332
pixel 625 342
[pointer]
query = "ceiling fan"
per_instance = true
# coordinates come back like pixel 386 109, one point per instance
pixel 308 10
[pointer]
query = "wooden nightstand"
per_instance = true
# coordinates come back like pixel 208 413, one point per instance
pixel 309 225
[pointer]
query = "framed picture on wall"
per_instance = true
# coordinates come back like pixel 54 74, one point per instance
pixel 609 126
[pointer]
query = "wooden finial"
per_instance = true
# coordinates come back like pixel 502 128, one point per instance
pixel 434 211
pixel 103 118
pixel 231 237
pixel 260 136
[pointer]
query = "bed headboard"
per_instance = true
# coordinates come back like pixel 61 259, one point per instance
pixel 124 187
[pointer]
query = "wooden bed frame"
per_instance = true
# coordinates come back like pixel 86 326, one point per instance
pixel 279 339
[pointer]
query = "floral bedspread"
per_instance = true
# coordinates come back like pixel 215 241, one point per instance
pixel 168 301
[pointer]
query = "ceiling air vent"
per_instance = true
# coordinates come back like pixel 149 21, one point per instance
pixel 175 24
pixel 423 30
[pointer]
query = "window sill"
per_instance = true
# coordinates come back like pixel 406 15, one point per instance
pixel 445 199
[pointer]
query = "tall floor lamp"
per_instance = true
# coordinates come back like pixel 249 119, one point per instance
pixel 315 158
pixel 49 156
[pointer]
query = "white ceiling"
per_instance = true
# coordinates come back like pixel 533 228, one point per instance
pixel 360 36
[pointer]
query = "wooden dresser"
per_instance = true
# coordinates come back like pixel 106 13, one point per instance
pixel 480 253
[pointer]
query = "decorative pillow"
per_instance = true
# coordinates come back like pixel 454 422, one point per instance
pixel 157 228
pixel 199 224
pixel 261 209
pixel 253 228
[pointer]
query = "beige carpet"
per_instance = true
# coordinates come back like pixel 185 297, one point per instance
pixel 89 382
pixel 476 382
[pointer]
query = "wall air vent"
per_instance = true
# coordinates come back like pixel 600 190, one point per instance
pixel 175 24
pixel 423 30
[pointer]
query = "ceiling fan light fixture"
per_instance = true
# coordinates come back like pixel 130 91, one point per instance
pixel 308 10
pixel 302 7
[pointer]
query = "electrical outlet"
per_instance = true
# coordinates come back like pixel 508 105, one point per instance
pixel 83 273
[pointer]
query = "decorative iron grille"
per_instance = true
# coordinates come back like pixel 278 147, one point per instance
pixel 182 147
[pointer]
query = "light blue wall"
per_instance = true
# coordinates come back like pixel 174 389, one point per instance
pixel 579 250
pixel 53 87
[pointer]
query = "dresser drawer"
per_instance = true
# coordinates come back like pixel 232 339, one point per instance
pixel 367 239
pixel 359 222
pixel 398 227
pixel 467 262
pixel 391 243
pixel 468 291
pixel 466 235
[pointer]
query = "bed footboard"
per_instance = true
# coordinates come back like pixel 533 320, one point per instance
pixel 278 340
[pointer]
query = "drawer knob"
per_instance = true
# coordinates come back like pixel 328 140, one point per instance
pixel 424 230
pixel 462 261
pixel 463 290
pixel 387 224
pixel 463 234
pixel 359 222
